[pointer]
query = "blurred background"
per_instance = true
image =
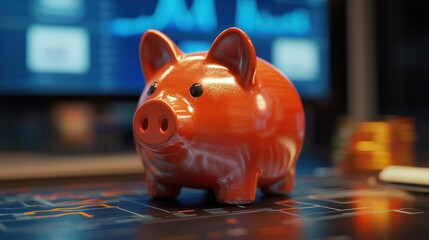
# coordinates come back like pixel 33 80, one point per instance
pixel 70 76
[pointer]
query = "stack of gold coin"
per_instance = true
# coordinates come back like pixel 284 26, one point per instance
pixel 371 146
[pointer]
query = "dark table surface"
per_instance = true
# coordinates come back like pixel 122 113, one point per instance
pixel 318 208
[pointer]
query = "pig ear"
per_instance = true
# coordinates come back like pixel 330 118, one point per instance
pixel 156 50
pixel 234 50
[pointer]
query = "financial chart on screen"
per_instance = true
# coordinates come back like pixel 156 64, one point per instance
pixel 77 47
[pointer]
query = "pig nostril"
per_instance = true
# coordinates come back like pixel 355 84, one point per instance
pixel 164 124
pixel 145 124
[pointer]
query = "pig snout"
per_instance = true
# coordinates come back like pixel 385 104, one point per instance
pixel 154 123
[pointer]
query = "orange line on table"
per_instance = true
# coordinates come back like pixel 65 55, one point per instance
pixel 232 220
pixel 67 214
pixel 67 209
pixel 116 192
pixel 81 202
pixel 186 211
pixel 284 209
pixel 55 196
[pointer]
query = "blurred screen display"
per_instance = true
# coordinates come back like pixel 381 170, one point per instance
pixel 77 47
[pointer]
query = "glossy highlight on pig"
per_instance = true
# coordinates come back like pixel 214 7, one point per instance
pixel 223 120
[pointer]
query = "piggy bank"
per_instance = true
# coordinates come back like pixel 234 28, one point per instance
pixel 223 120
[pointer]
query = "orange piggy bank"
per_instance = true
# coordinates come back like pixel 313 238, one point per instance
pixel 223 120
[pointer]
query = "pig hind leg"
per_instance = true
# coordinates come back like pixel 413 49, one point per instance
pixel 238 189
pixel 284 185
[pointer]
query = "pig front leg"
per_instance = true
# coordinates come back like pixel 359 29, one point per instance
pixel 238 189
pixel 157 189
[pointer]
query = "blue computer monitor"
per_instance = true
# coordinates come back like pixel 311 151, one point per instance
pixel 78 47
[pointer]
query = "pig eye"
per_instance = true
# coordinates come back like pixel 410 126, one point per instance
pixel 152 89
pixel 196 90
